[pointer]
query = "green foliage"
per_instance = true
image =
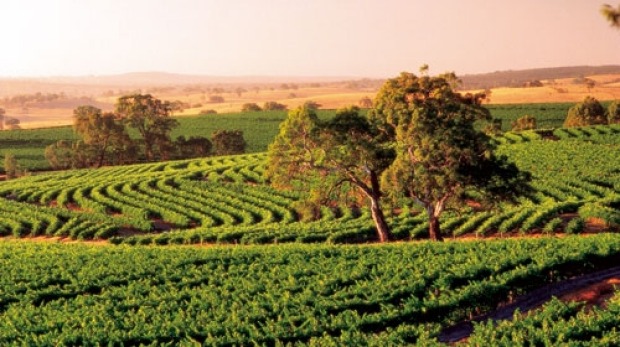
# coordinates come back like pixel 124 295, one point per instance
pixel 274 106
pixel 297 294
pixel 250 107
pixel 575 226
pixel 103 133
pixel 440 153
pixel 587 112
pixel 613 112
pixel 11 168
pixel 150 117
pixel 331 160
pixel 228 142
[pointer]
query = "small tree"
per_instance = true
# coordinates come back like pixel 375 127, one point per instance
pixel 613 112
pixel 11 168
pixel 493 127
pixel 365 102
pixel 216 99
pixel 228 142
pixel 2 114
pixel 587 112
pixel 151 118
pixel 250 107
pixel 274 106
pixel 194 147
pixel 311 104
pixel 526 122
pixel 103 132
pixel 60 155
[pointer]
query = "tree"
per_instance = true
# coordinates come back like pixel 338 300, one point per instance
pixel 493 127
pixel 612 15
pixel 250 107
pixel 151 118
pixel 216 99
pixel 311 104
pixel 194 147
pixel 587 112
pixel 103 132
pixel 613 112
pixel 526 122
pixel 2 113
pixel 274 106
pixel 228 142
pixel 327 159
pixel 365 102
pixel 11 168
pixel 60 155
pixel 440 156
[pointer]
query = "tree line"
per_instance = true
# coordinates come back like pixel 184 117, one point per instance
pixel 105 136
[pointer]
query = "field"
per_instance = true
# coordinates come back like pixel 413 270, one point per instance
pixel 310 291
pixel 224 199
pixel 259 129
pixel 54 294
pixel 204 252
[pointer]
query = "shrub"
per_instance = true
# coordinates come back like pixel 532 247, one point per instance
pixel 228 142
pixel 576 226
pixel 526 122
pixel 250 107
pixel 553 225
pixel 613 112
pixel 587 112
pixel 274 106
pixel 216 99
pixel 210 111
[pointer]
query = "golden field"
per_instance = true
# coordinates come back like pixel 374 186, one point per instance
pixel 330 95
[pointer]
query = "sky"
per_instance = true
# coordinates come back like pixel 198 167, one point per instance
pixel 361 38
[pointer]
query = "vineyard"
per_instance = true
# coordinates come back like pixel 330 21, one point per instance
pixel 224 199
pixel 302 289
pixel 259 129
pixel 316 295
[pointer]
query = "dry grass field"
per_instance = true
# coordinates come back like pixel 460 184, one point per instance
pixel 330 95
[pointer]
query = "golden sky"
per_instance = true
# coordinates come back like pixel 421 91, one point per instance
pixel 363 38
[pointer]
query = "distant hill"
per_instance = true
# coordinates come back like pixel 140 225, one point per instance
pixel 517 78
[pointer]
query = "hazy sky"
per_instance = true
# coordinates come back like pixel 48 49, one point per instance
pixel 374 38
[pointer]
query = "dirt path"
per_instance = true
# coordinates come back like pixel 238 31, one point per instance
pixel 531 301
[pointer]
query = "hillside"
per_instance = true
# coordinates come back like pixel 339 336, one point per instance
pixel 517 78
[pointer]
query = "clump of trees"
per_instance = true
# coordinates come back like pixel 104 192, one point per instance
pixel 418 143
pixel 274 106
pixel 526 122
pixel 250 107
pixel 588 112
pixel 105 138
pixel 228 142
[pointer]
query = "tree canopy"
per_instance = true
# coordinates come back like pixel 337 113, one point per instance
pixel 611 14
pixel 440 155
pixel 419 142
pixel 102 132
pixel 340 158
pixel 151 118
pixel 588 112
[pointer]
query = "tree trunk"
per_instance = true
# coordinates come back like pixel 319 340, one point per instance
pixel 434 230
pixel 383 230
